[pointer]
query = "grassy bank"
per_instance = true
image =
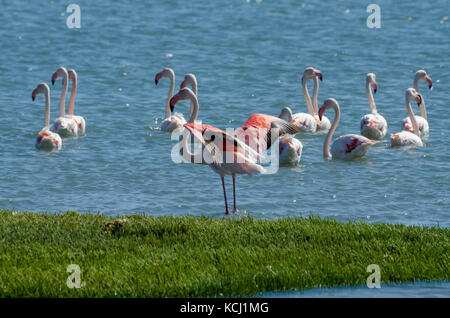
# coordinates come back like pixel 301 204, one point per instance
pixel 189 256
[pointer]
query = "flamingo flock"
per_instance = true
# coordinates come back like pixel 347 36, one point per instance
pixel 65 126
pixel 244 150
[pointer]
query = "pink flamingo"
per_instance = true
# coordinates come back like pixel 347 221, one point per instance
pixel 228 154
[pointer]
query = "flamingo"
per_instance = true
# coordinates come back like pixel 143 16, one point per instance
pixel 346 147
pixel 372 125
pixel 405 137
pixel 306 122
pixel 324 123
pixel 422 121
pixel 190 79
pixel 64 126
pixel 290 150
pixel 228 154
pixel 78 119
pixel 46 139
pixel 170 122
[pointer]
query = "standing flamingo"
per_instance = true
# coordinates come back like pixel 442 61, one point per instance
pixel 64 126
pixel 46 139
pixel 306 122
pixel 171 121
pixel 227 153
pixel 346 147
pixel 422 120
pixel 78 119
pixel 373 125
pixel 407 138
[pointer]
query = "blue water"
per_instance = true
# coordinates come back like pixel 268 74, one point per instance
pixel 419 289
pixel 248 57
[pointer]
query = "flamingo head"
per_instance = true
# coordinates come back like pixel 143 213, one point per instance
pixel 423 76
pixel 167 72
pixel 412 93
pixel 60 72
pixel 372 79
pixel 42 88
pixel 311 72
pixel 328 103
pixel 189 79
pixel 286 112
pixel 182 94
pixel 72 74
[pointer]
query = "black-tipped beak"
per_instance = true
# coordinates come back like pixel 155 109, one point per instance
pixel 419 100
pixel 156 81
pixel 173 102
pixel 375 90
pixel 32 97
pixel 321 77
pixel 53 82
pixel 430 86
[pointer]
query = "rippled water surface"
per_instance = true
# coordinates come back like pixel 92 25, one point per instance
pixel 420 289
pixel 248 57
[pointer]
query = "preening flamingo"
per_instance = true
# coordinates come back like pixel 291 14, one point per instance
pixel 346 147
pixel 290 150
pixel 64 126
pixel 407 138
pixel 46 139
pixel 171 121
pixel 78 119
pixel 422 120
pixel 228 154
pixel 372 125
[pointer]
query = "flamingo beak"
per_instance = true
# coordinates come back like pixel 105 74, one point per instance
pixel 319 75
pixel 375 87
pixel 33 94
pixel 418 99
pixel 173 101
pixel 183 84
pixel 54 77
pixel 157 78
pixel 321 111
pixel 428 80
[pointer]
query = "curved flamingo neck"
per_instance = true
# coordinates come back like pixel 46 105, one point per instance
pixel 195 90
pixel 373 107
pixel 326 144
pixel 289 114
pixel 411 115
pixel 194 104
pixel 169 96
pixel 47 108
pixel 307 97
pixel 314 97
pixel 62 101
pixel 423 110
pixel 72 95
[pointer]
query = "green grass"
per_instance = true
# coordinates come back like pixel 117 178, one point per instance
pixel 193 257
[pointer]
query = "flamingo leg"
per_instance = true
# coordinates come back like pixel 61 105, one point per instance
pixel 234 194
pixel 225 196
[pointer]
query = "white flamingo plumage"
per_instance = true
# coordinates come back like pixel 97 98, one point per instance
pixel 64 126
pixel 46 139
pixel 228 154
pixel 372 125
pixel 346 147
pixel 422 120
pixel 307 122
pixel 405 137
pixel 290 150
pixel 78 119
pixel 171 121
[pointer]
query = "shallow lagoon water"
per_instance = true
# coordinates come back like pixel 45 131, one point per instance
pixel 248 57
pixel 420 289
